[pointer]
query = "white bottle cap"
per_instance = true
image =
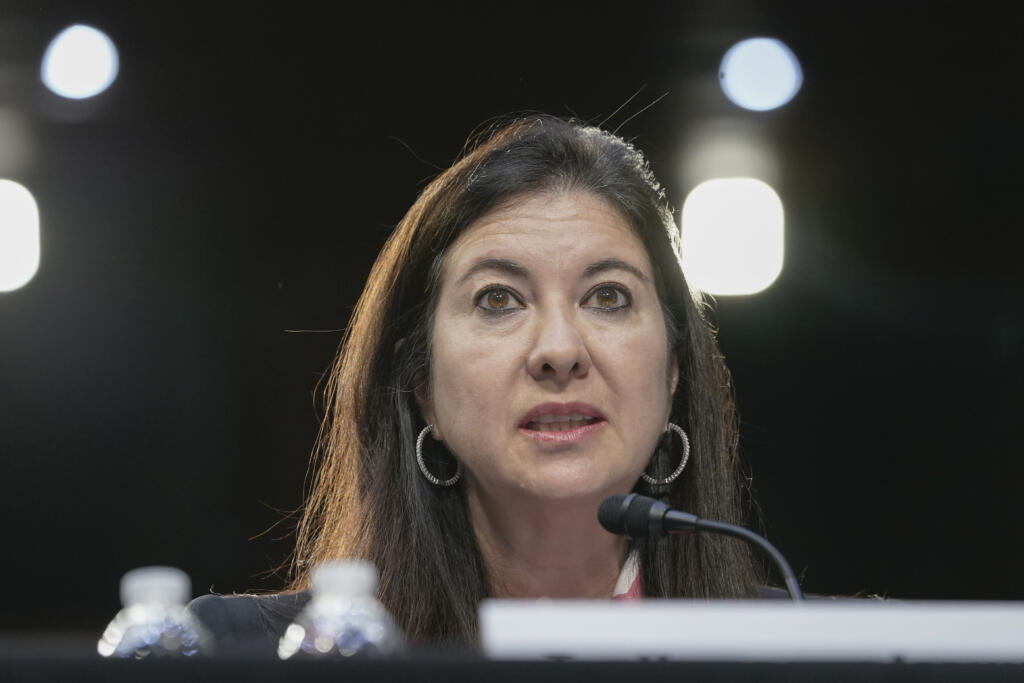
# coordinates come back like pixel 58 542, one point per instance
pixel 165 585
pixel 345 578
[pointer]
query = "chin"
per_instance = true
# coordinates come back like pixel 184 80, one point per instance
pixel 580 486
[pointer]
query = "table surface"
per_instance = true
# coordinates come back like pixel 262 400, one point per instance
pixel 63 657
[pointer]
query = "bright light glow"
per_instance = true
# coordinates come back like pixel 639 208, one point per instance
pixel 15 142
pixel 760 74
pixel 19 235
pixel 728 148
pixel 732 230
pixel 80 62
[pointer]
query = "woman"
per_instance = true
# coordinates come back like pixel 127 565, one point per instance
pixel 525 346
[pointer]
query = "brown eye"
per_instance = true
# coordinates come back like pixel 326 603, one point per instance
pixel 497 299
pixel 607 297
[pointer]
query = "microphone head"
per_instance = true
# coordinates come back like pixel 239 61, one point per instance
pixel 612 513
pixel 632 515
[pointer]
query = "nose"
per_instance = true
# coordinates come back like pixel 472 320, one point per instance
pixel 559 351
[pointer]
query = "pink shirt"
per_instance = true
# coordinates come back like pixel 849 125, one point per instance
pixel 629 586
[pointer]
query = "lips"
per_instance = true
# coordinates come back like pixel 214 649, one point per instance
pixel 560 417
pixel 559 423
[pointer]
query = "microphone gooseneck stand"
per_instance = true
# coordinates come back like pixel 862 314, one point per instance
pixel 638 516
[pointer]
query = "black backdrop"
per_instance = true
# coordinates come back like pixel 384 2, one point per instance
pixel 208 222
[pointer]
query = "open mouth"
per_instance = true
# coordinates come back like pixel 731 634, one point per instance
pixel 560 423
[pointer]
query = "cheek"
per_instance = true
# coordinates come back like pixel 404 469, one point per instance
pixel 470 375
pixel 635 363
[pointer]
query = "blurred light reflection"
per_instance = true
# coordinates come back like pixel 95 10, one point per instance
pixel 760 74
pixel 80 62
pixel 732 236
pixel 19 235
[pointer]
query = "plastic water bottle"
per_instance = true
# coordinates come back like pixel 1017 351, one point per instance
pixel 154 622
pixel 343 618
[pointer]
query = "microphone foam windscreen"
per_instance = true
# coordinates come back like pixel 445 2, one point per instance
pixel 638 517
pixel 612 513
pixel 628 515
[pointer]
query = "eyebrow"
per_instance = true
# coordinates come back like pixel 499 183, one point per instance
pixel 514 269
pixel 499 264
pixel 614 264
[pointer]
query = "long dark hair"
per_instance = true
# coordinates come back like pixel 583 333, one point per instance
pixel 368 498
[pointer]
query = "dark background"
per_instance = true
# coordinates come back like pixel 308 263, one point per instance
pixel 208 222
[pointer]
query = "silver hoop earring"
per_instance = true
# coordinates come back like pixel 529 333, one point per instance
pixel 682 463
pixel 423 466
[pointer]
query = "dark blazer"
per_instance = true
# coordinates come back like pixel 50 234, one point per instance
pixel 249 625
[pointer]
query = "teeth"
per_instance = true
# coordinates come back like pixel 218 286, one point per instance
pixel 562 418
pixel 560 423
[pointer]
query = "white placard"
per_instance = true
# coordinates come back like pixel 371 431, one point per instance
pixel 766 630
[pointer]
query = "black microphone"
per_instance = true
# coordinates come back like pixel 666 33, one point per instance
pixel 638 516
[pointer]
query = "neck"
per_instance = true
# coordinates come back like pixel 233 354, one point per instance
pixel 555 549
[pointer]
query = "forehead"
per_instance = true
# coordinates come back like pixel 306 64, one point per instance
pixel 556 229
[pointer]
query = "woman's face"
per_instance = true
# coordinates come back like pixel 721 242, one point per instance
pixel 550 372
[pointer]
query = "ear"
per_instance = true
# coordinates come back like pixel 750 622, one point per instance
pixel 422 394
pixel 673 377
